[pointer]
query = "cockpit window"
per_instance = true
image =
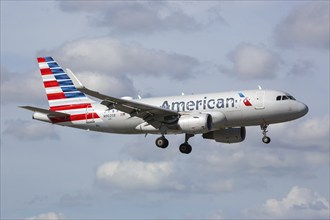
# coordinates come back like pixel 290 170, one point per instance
pixel 284 97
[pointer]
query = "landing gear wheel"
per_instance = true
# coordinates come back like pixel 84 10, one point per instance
pixel 266 140
pixel 161 142
pixel 185 148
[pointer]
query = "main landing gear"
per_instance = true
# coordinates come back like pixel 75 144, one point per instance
pixel 184 148
pixel 265 138
pixel 162 142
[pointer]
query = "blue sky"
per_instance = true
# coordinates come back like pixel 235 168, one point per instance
pixel 157 49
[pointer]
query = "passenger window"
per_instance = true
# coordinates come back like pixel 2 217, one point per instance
pixel 278 98
pixel 284 97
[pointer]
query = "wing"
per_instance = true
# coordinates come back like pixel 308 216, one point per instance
pixel 153 115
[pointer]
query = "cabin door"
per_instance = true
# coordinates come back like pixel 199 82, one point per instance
pixel 260 95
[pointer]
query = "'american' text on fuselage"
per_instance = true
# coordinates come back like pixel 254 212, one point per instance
pixel 200 104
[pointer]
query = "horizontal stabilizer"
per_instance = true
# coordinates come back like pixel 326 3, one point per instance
pixel 49 113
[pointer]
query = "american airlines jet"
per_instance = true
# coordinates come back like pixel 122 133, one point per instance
pixel 217 116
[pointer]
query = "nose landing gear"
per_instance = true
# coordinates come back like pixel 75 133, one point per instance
pixel 265 138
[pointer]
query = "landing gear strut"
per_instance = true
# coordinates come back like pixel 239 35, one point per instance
pixel 162 142
pixel 185 148
pixel 265 138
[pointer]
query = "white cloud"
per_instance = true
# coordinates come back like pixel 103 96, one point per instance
pixel 306 26
pixel 136 175
pixel 140 17
pixel 309 133
pixel 300 203
pixel 247 164
pixel 110 56
pixel 21 88
pixel 244 160
pixel 27 130
pixel 48 216
pixel 108 84
pixel 132 17
pixel 252 61
pixel 216 168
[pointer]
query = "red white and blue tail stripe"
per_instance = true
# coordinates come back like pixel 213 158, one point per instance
pixel 62 95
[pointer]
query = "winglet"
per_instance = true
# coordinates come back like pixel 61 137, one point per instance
pixel 74 79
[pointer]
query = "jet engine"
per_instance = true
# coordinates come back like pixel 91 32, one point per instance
pixel 227 135
pixel 195 123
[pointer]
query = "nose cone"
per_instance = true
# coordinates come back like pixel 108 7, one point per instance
pixel 301 109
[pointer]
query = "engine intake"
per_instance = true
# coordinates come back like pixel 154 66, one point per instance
pixel 196 123
pixel 227 135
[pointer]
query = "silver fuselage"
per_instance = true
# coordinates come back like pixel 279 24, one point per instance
pixel 260 108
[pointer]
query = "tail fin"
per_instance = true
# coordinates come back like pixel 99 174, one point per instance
pixel 61 93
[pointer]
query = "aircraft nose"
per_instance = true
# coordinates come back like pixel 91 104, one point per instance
pixel 302 109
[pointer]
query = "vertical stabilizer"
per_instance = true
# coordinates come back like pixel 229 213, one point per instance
pixel 61 93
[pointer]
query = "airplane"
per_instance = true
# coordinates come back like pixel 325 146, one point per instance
pixel 221 117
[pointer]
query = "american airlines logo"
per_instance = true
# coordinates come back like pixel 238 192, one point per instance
pixel 204 104
pixel 201 104
pixel 246 100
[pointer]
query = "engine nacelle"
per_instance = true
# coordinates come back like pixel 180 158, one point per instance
pixel 227 135
pixel 218 119
pixel 196 123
